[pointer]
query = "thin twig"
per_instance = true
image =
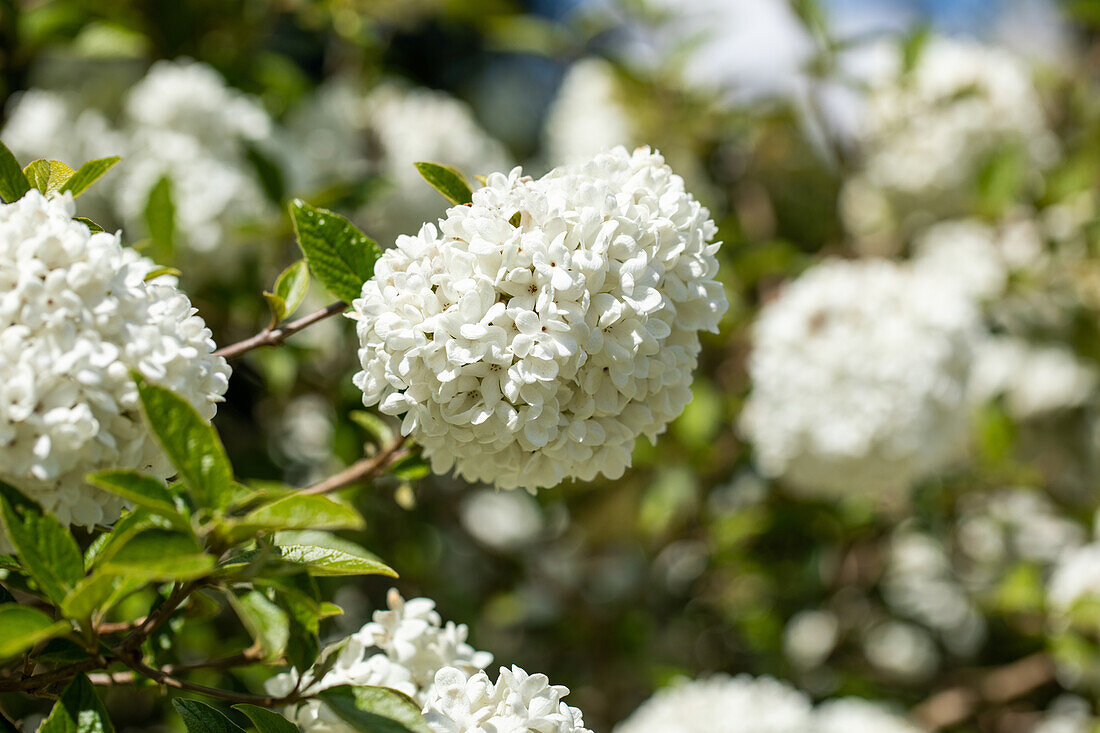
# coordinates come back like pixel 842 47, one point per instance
pixel 363 470
pixel 275 336
pixel 118 627
pixel 168 680
pixel 241 659
pixel 957 704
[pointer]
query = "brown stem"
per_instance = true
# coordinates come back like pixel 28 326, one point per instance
pixel 168 680
pixel 248 656
pixel 119 627
pixel 957 704
pixel 275 336
pixel 362 470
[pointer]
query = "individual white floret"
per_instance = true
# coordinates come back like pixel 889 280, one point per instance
pixel 723 704
pixel 535 334
pixel 77 314
pixel 859 373
pixel 516 703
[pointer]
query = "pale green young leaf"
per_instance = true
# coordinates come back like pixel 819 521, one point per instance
pixel 289 290
pixel 79 710
pixel 266 622
pixel 48 552
pixel 375 709
pixel 267 721
pixel 13 182
pixel 88 174
pixel 160 217
pixel 341 256
pixel 305 511
pixel 89 595
pixel 23 627
pixel 47 176
pixel 191 443
pixel 139 489
pixel 92 226
pixel 326 554
pixel 448 181
pixel 201 718
pixel 161 272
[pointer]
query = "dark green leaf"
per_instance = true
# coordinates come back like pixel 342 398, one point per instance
pixel 48 551
pixel 201 718
pixel 297 595
pixel 47 176
pixel 88 174
pixel 138 489
pixel 23 627
pixel 160 217
pixel 158 554
pixel 92 226
pixel 191 443
pixel 447 181
pixel 375 709
pixel 13 183
pixel 269 175
pixel 267 721
pixel 341 256
pixel 78 711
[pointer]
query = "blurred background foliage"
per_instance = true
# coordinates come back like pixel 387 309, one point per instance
pixel 692 563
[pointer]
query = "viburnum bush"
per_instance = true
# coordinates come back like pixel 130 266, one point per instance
pixel 530 337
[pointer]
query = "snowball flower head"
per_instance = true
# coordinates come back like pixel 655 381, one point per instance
pixel 403 647
pixel 516 703
pixel 535 334
pixel 77 314
pixel 854 715
pixel 859 374
pixel 723 704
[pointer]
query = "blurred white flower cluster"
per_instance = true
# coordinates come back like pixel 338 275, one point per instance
pixel 344 133
pixel 587 116
pixel 927 130
pixel 77 314
pixel 181 121
pixel 859 373
pixel 534 335
pixel 408 648
pixel 744 704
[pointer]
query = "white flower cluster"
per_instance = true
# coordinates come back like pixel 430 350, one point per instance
pixel 859 373
pixel 587 116
pixel 966 253
pixel 535 334
pixel 76 315
pixel 181 121
pixel 919 583
pixel 926 131
pixel 408 648
pixel 1076 577
pixel 184 122
pixel 516 703
pixel 1034 380
pixel 744 704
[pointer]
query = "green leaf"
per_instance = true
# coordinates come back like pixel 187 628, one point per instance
pixel 201 718
pixel 13 182
pixel 191 443
pixel 138 489
pixel 290 289
pixel 89 595
pixel 410 468
pixel 266 622
pixel 267 721
pixel 305 511
pixel 49 553
pixel 88 174
pixel 160 217
pixel 47 176
pixel 325 554
pixel 78 711
pixel 158 554
pixel 161 272
pixel 375 709
pixel 298 597
pixel 23 627
pixel 92 226
pixel 341 256
pixel 447 181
